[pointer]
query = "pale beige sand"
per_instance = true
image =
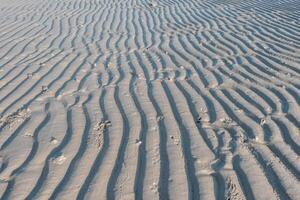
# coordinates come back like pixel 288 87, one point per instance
pixel 141 99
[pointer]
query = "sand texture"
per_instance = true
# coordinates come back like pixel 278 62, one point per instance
pixel 141 99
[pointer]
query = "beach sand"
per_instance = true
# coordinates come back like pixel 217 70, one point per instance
pixel 141 99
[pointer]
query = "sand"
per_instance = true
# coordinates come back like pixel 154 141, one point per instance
pixel 141 99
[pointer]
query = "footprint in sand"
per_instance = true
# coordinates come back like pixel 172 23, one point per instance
pixel 59 160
